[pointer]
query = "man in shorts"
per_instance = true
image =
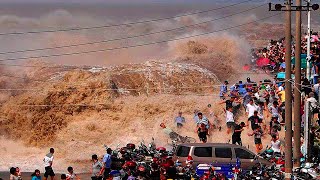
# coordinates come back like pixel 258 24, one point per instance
pixel 236 136
pixel 257 133
pixel 255 120
pixel 48 161
pixel 202 133
pixel 229 120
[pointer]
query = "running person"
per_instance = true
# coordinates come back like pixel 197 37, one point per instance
pixel 251 108
pixel 97 168
pixel 257 133
pixel 255 120
pixel 275 145
pixel 202 133
pixel 203 120
pixel 274 126
pixel 48 161
pixel 230 120
pixel 223 89
pixel 274 109
pixel 236 136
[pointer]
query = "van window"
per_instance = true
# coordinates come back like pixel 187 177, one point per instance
pixel 223 152
pixel 243 154
pixel 183 151
pixel 203 151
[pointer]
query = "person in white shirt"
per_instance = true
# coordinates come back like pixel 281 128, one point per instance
pixel 230 120
pixel 71 175
pixel 316 87
pixel 275 145
pixel 251 107
pixel 313 101
pixel 48 161
pixel 281 87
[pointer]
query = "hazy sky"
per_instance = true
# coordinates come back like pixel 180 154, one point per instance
pixel 116 1
pixel 89 0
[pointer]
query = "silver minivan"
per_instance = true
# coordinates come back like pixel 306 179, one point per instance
pixel 217 153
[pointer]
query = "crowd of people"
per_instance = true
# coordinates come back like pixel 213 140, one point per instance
pixel 275 52
pixel 15 173
pixel 99 169
pixel 263 103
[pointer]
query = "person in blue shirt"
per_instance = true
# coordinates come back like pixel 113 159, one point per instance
pixel 246 99
pixel 223 89
pixel 283 65
pixel 36 175
pixel 179 120
pixel 107 163
pixel 242 89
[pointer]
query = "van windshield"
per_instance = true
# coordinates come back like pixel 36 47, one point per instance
pixel 183 151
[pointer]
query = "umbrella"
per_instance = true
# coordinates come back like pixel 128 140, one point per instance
pixel 263 62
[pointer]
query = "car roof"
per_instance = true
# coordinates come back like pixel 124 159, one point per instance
pixel 211 145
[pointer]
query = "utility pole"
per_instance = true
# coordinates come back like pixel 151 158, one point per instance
pixel 308 42
pixel 288 92
pixel 297 90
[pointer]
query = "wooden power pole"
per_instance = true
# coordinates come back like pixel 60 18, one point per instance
pixel 297 89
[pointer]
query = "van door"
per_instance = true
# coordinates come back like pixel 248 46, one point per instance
pixel 222 155
pixel 246 157
pixel 202 155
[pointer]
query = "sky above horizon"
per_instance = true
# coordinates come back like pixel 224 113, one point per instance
pixel 118 1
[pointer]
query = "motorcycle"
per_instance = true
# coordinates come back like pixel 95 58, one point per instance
pixel 307 171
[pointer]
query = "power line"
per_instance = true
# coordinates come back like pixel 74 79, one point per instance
pixel 72 87
pixel 101 104
pixel 119 73
pixel 54 66
pixel 117 25
pixel 134 46
pixel 104 68
pixel 129 37
pixel 24 78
